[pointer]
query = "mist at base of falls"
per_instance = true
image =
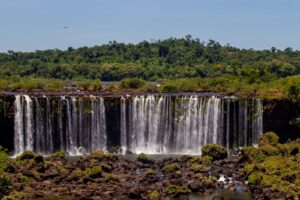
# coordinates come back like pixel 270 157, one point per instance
pixel 152 124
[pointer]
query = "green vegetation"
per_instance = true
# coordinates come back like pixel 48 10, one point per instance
pixel 153 194
pixel 171 168
pixel 5 180
pixel 184 64
pixel 274 165
pixel 143 158
pixel 215 151
pixel 205 160
pixel 132 83
pixel 177 190
pixel 110 178
pixel 60 155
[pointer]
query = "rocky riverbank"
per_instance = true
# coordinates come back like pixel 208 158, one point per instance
pixel 270 171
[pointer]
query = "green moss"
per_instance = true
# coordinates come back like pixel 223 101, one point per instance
pixel 3 158
pixel 198 167
pixel 110 178
pixel 176 190
pixel 101 155
pixel 205 160
pixel 268 138
pixel 149 171
pixel 206 180
pixel 29 155
pixel 269 150
pixel 105 167
pixel 171 168
pixel 154 194
pixel 143 158
pixel 60 155
pixel 279 169
pixel 215 151
pixel 95 172
pixel 255 178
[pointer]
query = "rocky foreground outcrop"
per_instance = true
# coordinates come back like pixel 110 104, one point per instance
pixel 107 176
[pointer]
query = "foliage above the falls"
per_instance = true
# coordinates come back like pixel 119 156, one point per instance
pixel 183 64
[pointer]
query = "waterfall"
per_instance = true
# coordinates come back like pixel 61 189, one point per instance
pixel 65 123
pixel 154 124
pixel 18 126
pixel 123 128
pixel 183 124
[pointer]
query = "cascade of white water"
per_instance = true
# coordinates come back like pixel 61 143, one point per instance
pixel 257 123
pixel 157 124
pixel 123 126
pixel 69 132
pixel 48 127
pixel 28 124
pixel 18 126
pixel 39 128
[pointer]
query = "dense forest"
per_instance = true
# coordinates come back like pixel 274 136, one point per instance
pixel 157 60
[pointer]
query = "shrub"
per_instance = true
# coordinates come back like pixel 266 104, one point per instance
pixel 170 88
pixel 132 83
pixel 171 168
pixel 268 138
pixel 215 151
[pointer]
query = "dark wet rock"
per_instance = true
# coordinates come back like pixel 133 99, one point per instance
pixel 217 198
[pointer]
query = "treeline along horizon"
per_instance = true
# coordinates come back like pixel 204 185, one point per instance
pixel 163 59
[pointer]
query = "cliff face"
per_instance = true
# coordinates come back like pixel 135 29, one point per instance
pixel 68 114
pixel 282 117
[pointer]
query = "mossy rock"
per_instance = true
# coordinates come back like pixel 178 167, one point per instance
pixel 268 138
pixel 105 167
pixel 144 158
pixel 215 151
pixel 205 160
pixel 269 150
pixel 30 155
pixel 255 178
pixel 177 190
pixel 153 195
pixel 199 167
pixel 59 155
pixel 95 172
pixel 110 178
pixel 171 168
pixel 101 155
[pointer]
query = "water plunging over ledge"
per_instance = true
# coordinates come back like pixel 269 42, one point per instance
pixel 150 123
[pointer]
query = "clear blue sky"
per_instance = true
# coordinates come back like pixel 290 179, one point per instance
pixel 27 25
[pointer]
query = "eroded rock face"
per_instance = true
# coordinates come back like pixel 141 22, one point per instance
pixel 282 117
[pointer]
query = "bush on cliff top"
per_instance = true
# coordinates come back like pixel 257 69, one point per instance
pixel 132 83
